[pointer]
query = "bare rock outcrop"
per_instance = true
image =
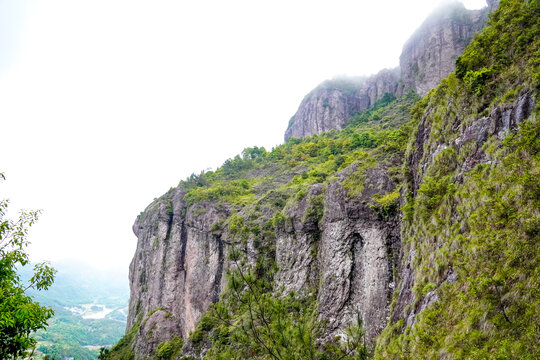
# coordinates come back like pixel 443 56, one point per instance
pixel 176 271
pixel 327 107
pixel 430 53
pixel 331 104
pixel 427 57
pixel 348 259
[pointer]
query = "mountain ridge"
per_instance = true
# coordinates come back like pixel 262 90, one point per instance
pixel 419 219
pixel 427 57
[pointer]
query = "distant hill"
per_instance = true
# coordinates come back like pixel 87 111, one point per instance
pixel 90 309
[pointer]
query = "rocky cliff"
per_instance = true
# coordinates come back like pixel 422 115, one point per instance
pixel 419 220
pixel 347 257
pixel 430 53
pixel 329 240
pixel 177 269
pixel 427 57
pixel 334 102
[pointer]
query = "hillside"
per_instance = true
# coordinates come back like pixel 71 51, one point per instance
pixel 411 233
pixel 90 310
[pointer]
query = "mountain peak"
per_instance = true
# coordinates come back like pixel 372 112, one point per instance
pixel 427 57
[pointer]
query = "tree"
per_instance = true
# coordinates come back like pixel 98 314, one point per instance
pixel 253 320
pixel 19 314
pixel 103 353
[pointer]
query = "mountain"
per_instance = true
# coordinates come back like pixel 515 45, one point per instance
pixel 333 102
pixel 90 308
pixel 427 57
pixel 408 231
pixel 77 282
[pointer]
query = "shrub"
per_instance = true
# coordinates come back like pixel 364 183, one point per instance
pixel 387 205
pixel 169 349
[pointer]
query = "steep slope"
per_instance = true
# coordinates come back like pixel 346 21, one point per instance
pixel 427 57
pixel 333 102
pixel 469 276
pixel 289 212
pixel 430 53
pixel 282 254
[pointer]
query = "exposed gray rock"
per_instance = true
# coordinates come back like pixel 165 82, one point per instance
pixel 473 134
pixel 347 259
pixel 176 271
pixel 296 247
pixel 427 57
pixel 430 53
pixel 500 122
pixel 331 104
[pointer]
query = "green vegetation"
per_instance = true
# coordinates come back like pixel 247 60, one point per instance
pixel 476 225
pixel 489 64
pixel 258 176
pixel 387 205
pixel 86 292
pixel 470 218
pixel 20 315
pixel 169 349
pixel 255 320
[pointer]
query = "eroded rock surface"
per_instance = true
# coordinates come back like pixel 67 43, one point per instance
pixel 427 57
pixel 430 53
pixel 332 103
pixel 176 271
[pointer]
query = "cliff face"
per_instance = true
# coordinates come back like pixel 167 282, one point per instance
pixel 348 259
pixel 421 218
pixel 334 244
pixel 176 272
pixel 430 54
pixel 427 57
pixel 332 103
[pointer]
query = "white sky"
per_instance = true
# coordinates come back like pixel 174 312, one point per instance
pixel 106 104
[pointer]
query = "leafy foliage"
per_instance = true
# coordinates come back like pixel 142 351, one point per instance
pixel 169 349
pixel 474 228
pixel 489 62
pixel 300 163
pixel 387 205
pixel 254 320
pixel 19 314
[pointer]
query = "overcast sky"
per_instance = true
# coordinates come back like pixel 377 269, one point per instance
pixel 106 104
